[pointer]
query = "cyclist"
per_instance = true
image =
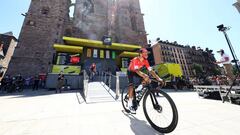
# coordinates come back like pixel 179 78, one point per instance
pixel 134 70
pixel 93 70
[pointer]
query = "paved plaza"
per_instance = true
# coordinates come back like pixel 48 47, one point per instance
pixel 46 113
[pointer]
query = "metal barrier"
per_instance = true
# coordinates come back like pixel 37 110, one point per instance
pixel 233 96
pixel 112 81
pixel 85 83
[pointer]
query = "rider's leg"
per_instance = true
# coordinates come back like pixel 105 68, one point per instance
pixel 130 99
pixel 131 78
pixel 130 87
pixel 130 95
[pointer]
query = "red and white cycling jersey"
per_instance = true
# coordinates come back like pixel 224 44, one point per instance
pixel 136 64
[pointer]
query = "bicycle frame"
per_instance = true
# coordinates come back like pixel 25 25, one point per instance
pixel 147 88
pixel 149 95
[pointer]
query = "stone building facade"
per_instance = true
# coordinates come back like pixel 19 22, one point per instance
pixel 9 43
pixel 186 56
pixel 166 52
pixel 43 25
pixel 46 22
pixel 237 5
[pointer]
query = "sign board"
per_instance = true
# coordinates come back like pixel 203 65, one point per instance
pixel 113 55
pixel 95 53
pixel 101 53
pixel 89 52
pixel 67 69
pixel 107 40
pixel 107 54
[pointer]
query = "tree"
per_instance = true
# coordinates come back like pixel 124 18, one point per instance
pixel 216 71
pixel 235 70
pixel 198 69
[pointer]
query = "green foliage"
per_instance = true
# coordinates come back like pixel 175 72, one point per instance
pixel 235 70
pixel 216 71
pixel 198 69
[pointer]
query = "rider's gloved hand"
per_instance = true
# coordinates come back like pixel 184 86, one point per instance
pixel 159 79
pixel 162 82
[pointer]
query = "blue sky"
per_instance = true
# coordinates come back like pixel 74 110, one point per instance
pixel 193 22
pixel 10 14
pixel 185 21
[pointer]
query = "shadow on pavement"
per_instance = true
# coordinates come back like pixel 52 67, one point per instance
pixel 29 93
pixel 140 127
pixel 79 96
pixel 177 91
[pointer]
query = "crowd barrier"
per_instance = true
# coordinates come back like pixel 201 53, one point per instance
pixel 219 92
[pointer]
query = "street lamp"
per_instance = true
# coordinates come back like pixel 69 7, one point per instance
pixel 24 14
pixel 223 29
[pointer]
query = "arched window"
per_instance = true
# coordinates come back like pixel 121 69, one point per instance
pixel 72 8
pixel 45 10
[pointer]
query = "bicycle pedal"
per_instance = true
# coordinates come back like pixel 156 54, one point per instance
pixel 133 112
pixel 127 111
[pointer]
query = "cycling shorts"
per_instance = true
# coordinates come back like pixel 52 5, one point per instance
pixel 133 78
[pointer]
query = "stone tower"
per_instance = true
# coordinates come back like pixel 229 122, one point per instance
pixel 47 21
pixel 122 19
pixel 237 5
pixel 43 26
pixel 130 23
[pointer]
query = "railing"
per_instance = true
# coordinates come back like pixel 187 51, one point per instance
pixel 85 83
pixel 108 79
pixel 222 89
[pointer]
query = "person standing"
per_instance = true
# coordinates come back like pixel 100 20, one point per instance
pixel 36 82
pixel 60 82
pixel 42 80
pixel 225 60
pixel 1 51
pixel 173 82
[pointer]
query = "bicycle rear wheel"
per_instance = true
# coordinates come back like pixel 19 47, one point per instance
pixel 160 111
pixel 124 99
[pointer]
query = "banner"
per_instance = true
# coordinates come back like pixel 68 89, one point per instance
pixel 113 55
pixel 95 53
pixel 89 52
pixel 101 53
pixel 67 69
pixel 107 54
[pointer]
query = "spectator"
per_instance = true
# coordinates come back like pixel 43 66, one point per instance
pixel 60 82
pixel 173 82
pixel 28 81
pixel 225 60
pixel 1 51
pixel 36 82
pixel 42 80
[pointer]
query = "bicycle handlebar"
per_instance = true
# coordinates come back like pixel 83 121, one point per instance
pixel 163 83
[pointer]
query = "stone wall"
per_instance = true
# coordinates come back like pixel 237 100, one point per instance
pixel 43 26
pixel 121 19
pixel 9 43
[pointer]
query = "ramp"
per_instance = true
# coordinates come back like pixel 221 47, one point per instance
pixel 99 92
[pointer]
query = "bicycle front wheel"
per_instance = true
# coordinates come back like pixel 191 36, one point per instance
pixel 160 111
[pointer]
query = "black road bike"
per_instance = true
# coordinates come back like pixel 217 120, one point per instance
pixel 159 108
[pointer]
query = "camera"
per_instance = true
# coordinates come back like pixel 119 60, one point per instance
pixel 221 27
